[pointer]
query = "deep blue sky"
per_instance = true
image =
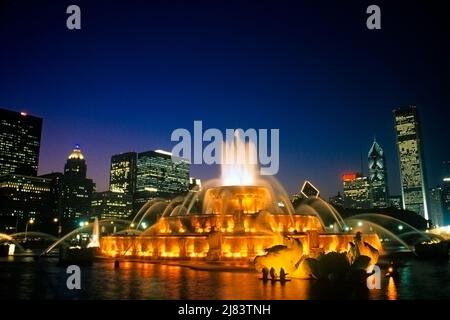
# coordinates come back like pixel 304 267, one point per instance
pixel 140 69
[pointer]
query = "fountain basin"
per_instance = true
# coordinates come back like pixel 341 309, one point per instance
pixel 222 246
pixel 236 223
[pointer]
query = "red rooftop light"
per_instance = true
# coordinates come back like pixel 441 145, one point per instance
pixel 349 176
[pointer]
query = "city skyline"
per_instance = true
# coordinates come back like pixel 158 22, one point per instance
pixel 363 169
pixel 176 65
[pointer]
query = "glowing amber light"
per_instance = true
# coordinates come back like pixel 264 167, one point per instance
pixel 391 290
pixel 237 223
pixel 349 176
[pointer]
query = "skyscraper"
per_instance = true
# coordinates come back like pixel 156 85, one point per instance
pixel 20 138
pixel 378 176
pixel 446 200
pixel 123 173
pixel 446 192
pixel 76 193
pixel 356 191
pixel 156 172
pixel 72 191
pixel 412 166
pixel 436 206
pixel 159 176
pixel 75 165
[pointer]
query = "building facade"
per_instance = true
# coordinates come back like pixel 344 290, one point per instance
pixel 378 176
pixel 123 170
pixel 20 139
pixel 446 200
pixel 337 200
pixel 24 198
pixel 412 166
pixel 356 191
pixel 159 175
pixel 114 205
pixel 436 206
pixel 395 201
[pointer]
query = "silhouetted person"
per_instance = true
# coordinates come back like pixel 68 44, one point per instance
pixel 273 275
pixel 265 274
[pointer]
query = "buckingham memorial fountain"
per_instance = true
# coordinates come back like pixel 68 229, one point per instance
pixel 241 216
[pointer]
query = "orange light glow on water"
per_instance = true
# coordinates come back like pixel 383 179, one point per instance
pixel 391 289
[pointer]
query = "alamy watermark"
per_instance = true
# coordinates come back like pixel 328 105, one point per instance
pixel 235 146
pixel 74 280
pixel 374 281
pixel 73 21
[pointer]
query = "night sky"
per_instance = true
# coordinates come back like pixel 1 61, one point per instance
pixel 137 70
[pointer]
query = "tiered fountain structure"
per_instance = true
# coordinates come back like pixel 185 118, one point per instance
pixel 241 216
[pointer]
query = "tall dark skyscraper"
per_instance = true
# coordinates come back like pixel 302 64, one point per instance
pixel 72 191
pixel 446 200
pixel 437 206
pixel 77 189
pixel 75 165
pixel 446 192
pixel 20 139
pixel 412 166
pixel 123 173
pixel 378 176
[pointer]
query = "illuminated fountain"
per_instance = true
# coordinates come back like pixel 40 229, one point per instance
pixel 240 217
